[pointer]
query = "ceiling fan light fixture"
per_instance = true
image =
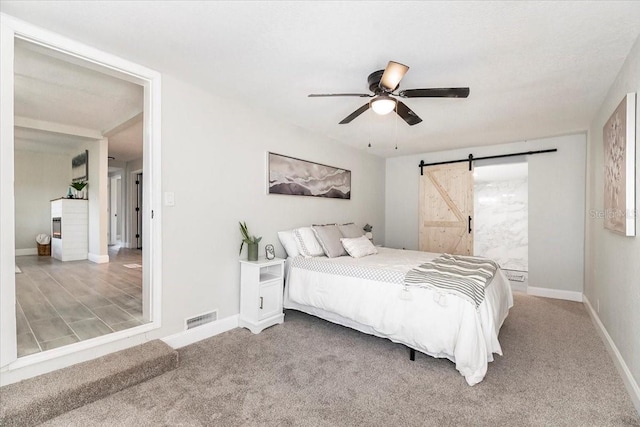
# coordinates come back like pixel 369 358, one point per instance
pixel 383 104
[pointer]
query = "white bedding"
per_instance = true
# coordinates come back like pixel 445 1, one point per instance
pixel 441 325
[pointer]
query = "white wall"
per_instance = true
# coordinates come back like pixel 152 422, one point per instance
pixel 214 160
pixel 556 205
pixel 39 178
pixel 612 260
pixel 98 199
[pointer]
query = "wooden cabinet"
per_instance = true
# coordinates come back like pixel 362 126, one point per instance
pixel 261 290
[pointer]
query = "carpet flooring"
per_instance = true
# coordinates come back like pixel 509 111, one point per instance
pixel 307 372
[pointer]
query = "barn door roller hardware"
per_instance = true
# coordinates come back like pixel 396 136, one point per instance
pixel 470 159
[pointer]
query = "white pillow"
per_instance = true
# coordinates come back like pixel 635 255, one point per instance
pixel 359 247
pixel 307 243
pixel 289 243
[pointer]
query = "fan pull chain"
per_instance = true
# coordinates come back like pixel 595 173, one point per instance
pixel 370 127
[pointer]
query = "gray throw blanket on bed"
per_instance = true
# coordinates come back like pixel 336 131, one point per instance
pixel 465 276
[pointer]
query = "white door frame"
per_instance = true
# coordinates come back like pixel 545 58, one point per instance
pixel 115 182
pixel 11 29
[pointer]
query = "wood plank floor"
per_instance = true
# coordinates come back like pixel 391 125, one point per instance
pixel 60 303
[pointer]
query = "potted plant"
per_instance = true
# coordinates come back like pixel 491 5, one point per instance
pixel 79 187
pixel 251 241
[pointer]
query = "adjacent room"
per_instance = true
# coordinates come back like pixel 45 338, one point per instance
pixel 78 161
pixel 319 213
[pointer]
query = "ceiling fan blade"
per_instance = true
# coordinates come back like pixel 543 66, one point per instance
pixel 392 75
pixel 355 114
pixel 443 92
pixel 319 95
pixel 407 114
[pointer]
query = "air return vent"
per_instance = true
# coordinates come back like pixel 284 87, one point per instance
pixel 201 319
pixel 516 276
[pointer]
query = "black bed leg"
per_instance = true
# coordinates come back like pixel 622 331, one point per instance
pixel 412 354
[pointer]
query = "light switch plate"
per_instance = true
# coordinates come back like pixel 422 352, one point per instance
pixel 169 198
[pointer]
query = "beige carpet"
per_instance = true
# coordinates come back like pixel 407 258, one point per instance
pixel 30 402
pixel 555 372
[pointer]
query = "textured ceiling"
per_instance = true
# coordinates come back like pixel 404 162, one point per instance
pixel 534 68
pixel 50 89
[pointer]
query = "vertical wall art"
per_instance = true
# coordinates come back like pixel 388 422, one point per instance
pixel 619 168
pixel 80 167
pixel 288 175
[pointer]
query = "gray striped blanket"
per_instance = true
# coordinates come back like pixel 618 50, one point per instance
pixel 465 276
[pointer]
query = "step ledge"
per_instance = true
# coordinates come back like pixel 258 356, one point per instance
pixel 36 400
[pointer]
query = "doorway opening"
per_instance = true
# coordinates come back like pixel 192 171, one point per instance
pixel 481 211
pixel 64 110
pixel 501 205
pixel 72 126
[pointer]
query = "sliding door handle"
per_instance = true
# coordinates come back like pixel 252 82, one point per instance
pixel 261 301
pixel 469 224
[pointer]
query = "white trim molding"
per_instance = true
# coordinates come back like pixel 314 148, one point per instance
pixel 629 382
pixel 8 346
pixel 200 333
pixel 554 293
pixel 98 259
pixel 68 355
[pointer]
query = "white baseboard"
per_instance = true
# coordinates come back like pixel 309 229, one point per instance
pixel 98 259
pixel 621 366
pixel 200 333
pixel 555 293
pixel 28 251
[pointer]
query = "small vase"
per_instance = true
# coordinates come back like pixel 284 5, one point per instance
pixel 252 252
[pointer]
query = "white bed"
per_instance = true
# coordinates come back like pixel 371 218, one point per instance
pixel 367 294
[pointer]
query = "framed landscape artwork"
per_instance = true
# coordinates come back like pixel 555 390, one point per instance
pixel 288 175
pixel 619 140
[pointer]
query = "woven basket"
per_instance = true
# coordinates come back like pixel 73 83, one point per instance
pixel 44 250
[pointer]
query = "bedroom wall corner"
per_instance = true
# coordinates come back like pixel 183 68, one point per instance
pixel 611 260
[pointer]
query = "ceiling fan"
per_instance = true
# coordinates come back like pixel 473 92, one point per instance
pixel 383 82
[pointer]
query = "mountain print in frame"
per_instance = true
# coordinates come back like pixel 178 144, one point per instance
pixel 297 177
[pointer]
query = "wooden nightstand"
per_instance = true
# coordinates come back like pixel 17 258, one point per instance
pixel 261 290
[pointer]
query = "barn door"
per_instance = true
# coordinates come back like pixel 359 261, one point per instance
pixel 446 209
